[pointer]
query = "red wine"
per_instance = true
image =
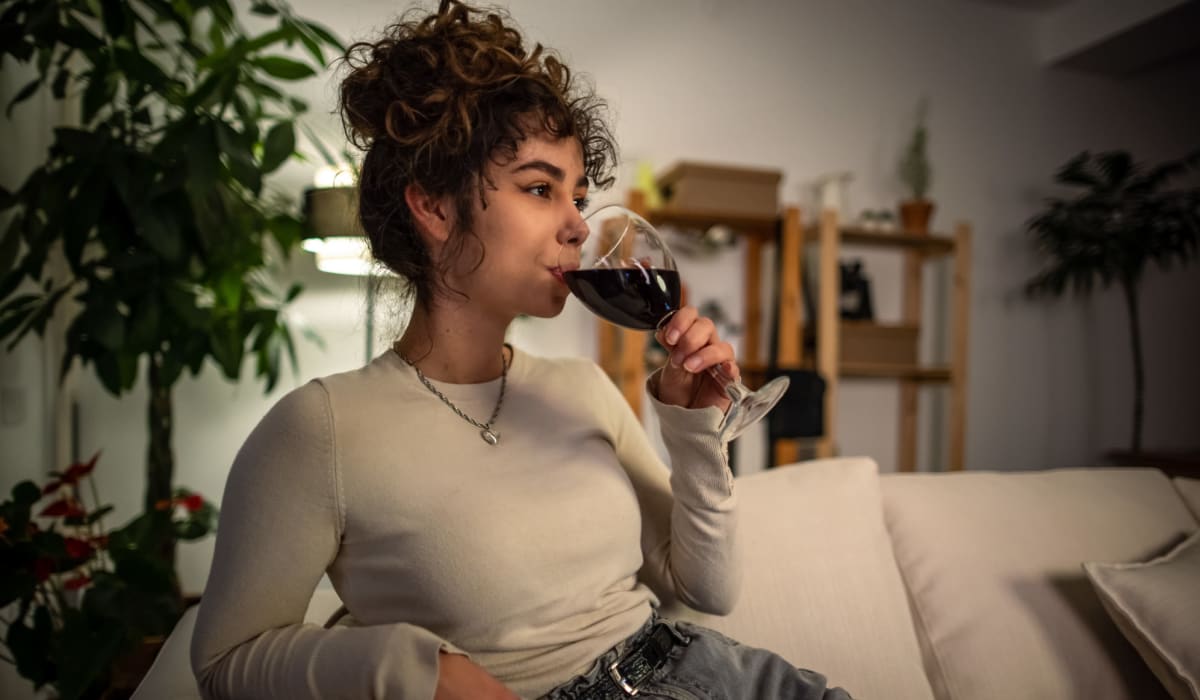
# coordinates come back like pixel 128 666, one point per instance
pixel 630 297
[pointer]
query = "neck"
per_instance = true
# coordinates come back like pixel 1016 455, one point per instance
pixel 455 344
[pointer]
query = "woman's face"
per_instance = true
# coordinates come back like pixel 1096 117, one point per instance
pixel 533 210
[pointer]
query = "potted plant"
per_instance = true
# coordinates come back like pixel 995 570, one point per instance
pixel 1124 218
pixel 90 605
pixel 915 174
pixel 152 214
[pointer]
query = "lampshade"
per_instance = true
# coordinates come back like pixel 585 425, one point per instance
pixel 342 246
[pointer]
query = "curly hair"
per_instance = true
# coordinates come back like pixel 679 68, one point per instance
pixel 433 102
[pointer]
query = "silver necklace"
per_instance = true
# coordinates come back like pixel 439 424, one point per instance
pixel 489 436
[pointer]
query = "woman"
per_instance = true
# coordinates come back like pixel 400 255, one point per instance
pixel 497 524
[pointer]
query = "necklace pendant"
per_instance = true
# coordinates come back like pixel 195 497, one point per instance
pixel 489 437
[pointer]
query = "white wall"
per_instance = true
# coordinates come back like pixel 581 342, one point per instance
pixel 810 87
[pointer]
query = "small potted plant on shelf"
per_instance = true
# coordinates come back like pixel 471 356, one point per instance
pixel 86 607
pixel 915 173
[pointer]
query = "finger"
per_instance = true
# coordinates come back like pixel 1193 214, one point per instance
pixel 701 333
pixel 713 355
pixel 669 334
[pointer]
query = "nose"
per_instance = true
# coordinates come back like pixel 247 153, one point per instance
pixel 574 230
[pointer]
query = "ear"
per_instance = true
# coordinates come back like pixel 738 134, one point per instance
pixel 432 215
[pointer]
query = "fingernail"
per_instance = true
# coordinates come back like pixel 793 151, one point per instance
pixel 672 336
pixel 691 364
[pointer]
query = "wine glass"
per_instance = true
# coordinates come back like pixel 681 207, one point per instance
pixel 625 273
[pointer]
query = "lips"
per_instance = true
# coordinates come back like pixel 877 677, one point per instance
pixel 558 273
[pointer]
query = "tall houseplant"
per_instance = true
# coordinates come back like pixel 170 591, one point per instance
pixel 155 202
pixel 1124 218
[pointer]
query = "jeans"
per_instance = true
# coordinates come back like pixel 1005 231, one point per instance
pixel 703 665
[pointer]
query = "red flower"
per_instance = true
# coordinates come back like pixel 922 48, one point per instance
pixel 78 549
pixel 42 568
pixel 66 506
pixel 77 582
pixel 100 541
pixel 192 503
pixel 72 475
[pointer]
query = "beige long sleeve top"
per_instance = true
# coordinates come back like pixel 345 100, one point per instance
pixel 533 556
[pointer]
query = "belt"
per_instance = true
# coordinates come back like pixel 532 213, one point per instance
pixel 630 671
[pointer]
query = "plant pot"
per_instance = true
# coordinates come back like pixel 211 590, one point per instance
pixel 915 215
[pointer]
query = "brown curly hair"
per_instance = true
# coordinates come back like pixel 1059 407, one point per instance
pixel 433 102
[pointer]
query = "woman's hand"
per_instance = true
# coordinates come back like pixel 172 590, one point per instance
pixel 459 678
pixel 694 346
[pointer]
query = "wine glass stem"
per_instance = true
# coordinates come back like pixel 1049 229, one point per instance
pixel 732 386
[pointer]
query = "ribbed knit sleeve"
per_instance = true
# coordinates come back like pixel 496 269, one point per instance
pixel 281 522
pixel 689 514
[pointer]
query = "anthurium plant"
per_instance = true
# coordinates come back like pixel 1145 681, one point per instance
pixel 78 596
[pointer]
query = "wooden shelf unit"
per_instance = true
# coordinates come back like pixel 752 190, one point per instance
pixel 621 350
pixel 828 237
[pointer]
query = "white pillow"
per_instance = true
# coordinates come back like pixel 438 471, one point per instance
pixel 1156 605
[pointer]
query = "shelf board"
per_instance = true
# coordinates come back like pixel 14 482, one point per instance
pixel 746 224
pixel 933 244
pixel 864 370
pixel 754 375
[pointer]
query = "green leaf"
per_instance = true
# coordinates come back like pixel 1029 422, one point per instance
pixel 101 91
pixel 317 143
pixel 241 162
pixel 262 41
pixel 136 66
pixel 284 68
pixel 31 646
pixel 203 156
pixel 279 146
pixel 26 493
pixel 159 228
pixel 10 245
pixel 95 515
pixel 115 20
pixel 104 324
pixel 23 94
pixel 325 35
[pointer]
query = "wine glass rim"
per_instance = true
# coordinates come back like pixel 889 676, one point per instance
pixel 634 217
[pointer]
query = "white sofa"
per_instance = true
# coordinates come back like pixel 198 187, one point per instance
pixel 917 586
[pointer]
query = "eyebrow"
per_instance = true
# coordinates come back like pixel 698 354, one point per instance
pixel 550 169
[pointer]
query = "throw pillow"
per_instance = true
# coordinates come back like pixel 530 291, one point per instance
pixel 1189 490
pixel 1156 605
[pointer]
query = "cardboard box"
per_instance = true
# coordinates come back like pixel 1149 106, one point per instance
pixel 720 188
pixel 870 343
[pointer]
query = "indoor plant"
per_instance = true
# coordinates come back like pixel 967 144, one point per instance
pixel 151 214
pixel 915 174
pixel 1124 218
pixel 85 599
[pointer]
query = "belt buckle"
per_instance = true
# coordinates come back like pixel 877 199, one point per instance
pixel 615 674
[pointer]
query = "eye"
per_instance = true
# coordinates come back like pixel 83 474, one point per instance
pixel 539 190
pixel 581 203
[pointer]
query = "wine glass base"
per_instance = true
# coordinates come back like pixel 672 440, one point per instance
pixel 749 407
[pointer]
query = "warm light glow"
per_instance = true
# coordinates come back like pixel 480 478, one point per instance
pixel 342 255
pixel 340 176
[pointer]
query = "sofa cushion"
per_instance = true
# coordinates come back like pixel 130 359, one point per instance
pixel 822 588
pixel 1189 489
pixel 170 676
pixel 1156 605
pixel 992 564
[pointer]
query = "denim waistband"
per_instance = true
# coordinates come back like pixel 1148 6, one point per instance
pixel 604 679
